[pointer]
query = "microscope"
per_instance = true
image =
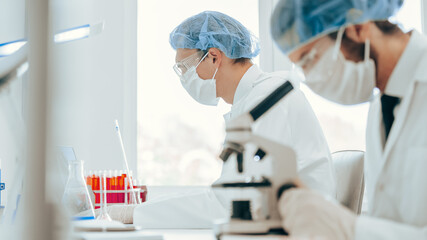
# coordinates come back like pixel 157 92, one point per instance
pixel 256 172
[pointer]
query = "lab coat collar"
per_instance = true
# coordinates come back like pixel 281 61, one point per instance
pixel 246 83
pixel 227 116
pixel 417 47
pixel 406 67
pixel 244 87
pixel 398 124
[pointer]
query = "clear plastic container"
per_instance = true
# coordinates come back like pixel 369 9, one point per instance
pixel 76 197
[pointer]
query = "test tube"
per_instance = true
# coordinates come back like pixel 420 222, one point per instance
pixel 126 191
pixel 101 188
pixel 104 214
pixel 121 180
pixel 89 178
pixel 132 196
pixel 114 180
pixel 95 181
pixel 135 187
pixel 126 187
pixel 109 186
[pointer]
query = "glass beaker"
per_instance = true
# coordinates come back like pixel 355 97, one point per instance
pixel 76 196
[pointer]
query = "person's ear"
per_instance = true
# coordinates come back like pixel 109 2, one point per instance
pixel 358 33
pixel 216 56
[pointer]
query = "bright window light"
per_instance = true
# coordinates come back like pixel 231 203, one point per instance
pixel 9 48
pixel 178 139
pixel 73 34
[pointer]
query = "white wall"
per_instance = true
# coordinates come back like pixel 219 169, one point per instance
pixel 12 27
pixel 271 57
pixel 12 20
pixel 95 82
pixel 10 142
pixel 424 15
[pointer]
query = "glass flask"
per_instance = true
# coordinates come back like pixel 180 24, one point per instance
pixel 76 197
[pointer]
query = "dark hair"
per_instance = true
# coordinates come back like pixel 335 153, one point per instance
pixel 241 60
pixel 235 61
pixel 387 27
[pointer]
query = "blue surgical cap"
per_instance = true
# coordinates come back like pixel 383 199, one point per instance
pixel 215 30
pixel 297 22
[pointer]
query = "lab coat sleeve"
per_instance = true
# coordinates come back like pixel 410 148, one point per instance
pixel 382 229
pixel 192 210
pixel 293 123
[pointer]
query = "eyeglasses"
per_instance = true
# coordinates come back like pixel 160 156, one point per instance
pixel 184 65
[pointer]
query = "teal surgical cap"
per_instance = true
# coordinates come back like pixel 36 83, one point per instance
pixel 215 30
pixel 297 22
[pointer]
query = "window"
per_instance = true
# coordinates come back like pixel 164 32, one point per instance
pixel 344 126
pixel 178 139
pixel 409 16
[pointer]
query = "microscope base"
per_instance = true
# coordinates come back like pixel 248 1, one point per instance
pixel 247 227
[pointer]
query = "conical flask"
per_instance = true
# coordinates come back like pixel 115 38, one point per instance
pixel 76 197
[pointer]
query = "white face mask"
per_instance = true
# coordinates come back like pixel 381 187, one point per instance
pixel 340 80
pixel 203 91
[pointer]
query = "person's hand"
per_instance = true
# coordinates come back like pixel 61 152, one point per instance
pixel 307 214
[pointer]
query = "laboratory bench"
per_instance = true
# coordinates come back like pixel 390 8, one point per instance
pixel 170 234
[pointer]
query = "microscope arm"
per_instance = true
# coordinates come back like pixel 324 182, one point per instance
pixel 271 100
pixel 240 128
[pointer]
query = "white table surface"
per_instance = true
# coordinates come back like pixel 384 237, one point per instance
pixel 208 235
pixel 171 234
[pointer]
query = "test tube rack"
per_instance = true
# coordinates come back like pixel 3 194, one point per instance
pixel 118 190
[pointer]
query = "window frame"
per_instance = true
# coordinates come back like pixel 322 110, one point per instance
pixel 271 59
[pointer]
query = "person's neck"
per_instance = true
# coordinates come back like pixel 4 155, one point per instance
pixel 230 79
pixel 388 56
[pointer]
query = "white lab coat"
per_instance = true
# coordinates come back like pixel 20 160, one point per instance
pixel 396 174
pixel 291 122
